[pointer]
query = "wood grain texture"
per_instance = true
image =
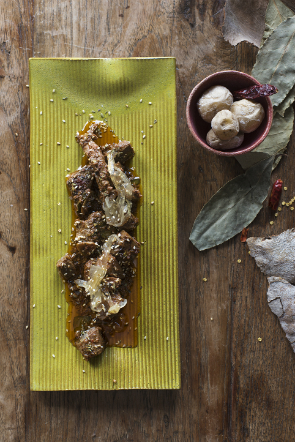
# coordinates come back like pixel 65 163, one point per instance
pixel 234 388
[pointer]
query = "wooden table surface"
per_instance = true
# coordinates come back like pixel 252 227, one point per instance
pixel 234 388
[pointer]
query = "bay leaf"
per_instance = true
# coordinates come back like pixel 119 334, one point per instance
pixel 233 207
pixel 283 106
pixel 276 13
pixel 275 142
pixel 275 60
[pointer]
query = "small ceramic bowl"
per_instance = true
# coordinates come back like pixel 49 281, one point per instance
pixel 234 81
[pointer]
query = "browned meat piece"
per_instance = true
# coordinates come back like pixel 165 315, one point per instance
pixel 80 187
pixel 91 135
pixel 131 223
pixel 126 249
pixel 109 285
pixel 125 151
pixel 90 343
pixel 94 228
pixel 70 268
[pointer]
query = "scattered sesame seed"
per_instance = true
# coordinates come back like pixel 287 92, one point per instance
pixel 167 339
pixel 211 319
pixel 140 100
pixel 68 169
pixel 143 136
pixel 27 327
pixel 65 98
pixel 41 144
pixel 291 208
pixel 109 112
pixel 11 205
pixel 51 100
pixel 27 85
pixel 83 111
pixel 56 338
pixel 58 306
pixel 53 90
pixel 283 203
pixel 279 209
pixel 58 143
pixel 205 279
pixel 155 121
pixel 287 204
pixel 285 188
pixel 259 339
pixel 34 305
pixel 151 126
pixel 59 230
pixel 16 134
pixel 142 242
pixel 249 252
pixel 41 113
pixel 276 214
pixel 83 371
pixel 39 163
pixel 144 337
pixel 127 105
pixel 63 121
pixel 58 204
pixel 26 210
pixel 150 102
pixel 271 223
pixel 66 243
pixel 114 380
pixel 239 261
pixel 53 356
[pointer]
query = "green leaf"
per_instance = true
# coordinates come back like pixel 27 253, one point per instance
pixel 276 13
pixel 275 60
pixel 283 106
pixel 233 207
pixel 275 143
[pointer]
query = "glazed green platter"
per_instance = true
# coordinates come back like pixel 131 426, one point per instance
pixel 137 97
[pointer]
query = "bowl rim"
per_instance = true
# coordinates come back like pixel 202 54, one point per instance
pixel 228 152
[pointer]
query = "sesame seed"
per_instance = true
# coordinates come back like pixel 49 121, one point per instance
pixel 58 306
pixel 276 214
pixel 143 136
pixel 39 163
pixel 66 243
pixel 16 134
pixel 53 356
pixel 140 100
pixel 285 188
pixel 41 144
pixel 259 339
pixel 271 223
pixel 109 112
pixel 58 204
pixel 83 371
pixel 211 319
pixel 59 230
pixel 283 203
pixel 67 146
pixel 58 143
pixel 53 90
pixel 287 204
pixel 291 208
pixel 114 380
pixel 83 111
pixel 249 252
pixel 205 279
pixel 68 169
pixel 27 85
pixel 63 121
pixel 151 125
pixel 26 210
pixel 34 305
pixel 56 338
pixel 27 327
pixel 152 203
pixel 150 102
pixel 279 209
pixel 142 243
pixel 144 337
pixel 155 121
pixel 51 100
pixel 41 113
pixel 127 105
pixel 167 339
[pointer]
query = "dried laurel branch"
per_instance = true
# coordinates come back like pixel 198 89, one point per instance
pixel 275 256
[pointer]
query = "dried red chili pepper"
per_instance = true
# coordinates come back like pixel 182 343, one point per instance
pixel 264 90
pixel 275 195
pixel 244 234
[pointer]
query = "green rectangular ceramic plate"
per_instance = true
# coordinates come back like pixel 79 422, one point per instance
pixel 137 96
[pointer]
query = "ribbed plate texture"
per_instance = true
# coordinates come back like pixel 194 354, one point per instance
pixel 82 86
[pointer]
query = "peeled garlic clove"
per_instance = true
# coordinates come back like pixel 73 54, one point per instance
pixel 225 125
pixel 215 99
pixel 218 144
pixel 249 114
